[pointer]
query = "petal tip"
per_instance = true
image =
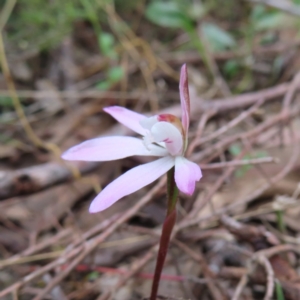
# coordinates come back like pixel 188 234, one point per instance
pixel 94 208
pixel 91 211
pixel 184 67
pixel 199 173
pixel 101 202
pixel 112 108
pixel 64 155
pixel 189 190
pixel 189 193
pixel 200 176
pixel 67 155
pixel 183 74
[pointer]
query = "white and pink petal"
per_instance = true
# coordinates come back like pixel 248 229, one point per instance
pixel 170 135
pixel 130 182
pixel 127 117
pixel 111 148
pixel 186 175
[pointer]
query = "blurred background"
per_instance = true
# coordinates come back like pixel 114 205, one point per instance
pixel 63 61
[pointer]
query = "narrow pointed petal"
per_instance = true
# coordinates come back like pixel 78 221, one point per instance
pixel 186 175
pixel 111 148
pixel 130 182
pixel 127 117
pixel 170 135
pixel 184 98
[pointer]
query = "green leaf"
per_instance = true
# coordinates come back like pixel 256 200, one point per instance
pixel 231 67
pixel 270 21
pixel 263 19
pixel 196 11
pixel 278 64
pixel 167 14
pixel 269 38
pixel 6 102
pixel 115 74
pixel 260 154
pixel 240 172
pixel 257 13
pixel 279 292
pixel 235 149
pixel 217 37
pixel 4 138
pixel 103 85
pixel 93 276
pixel 106 44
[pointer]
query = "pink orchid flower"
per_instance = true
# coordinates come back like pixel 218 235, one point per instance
pixel 164 136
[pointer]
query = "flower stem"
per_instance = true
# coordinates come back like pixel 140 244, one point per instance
pixel 166 232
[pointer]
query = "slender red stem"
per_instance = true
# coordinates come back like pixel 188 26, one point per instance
pixel 166 232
